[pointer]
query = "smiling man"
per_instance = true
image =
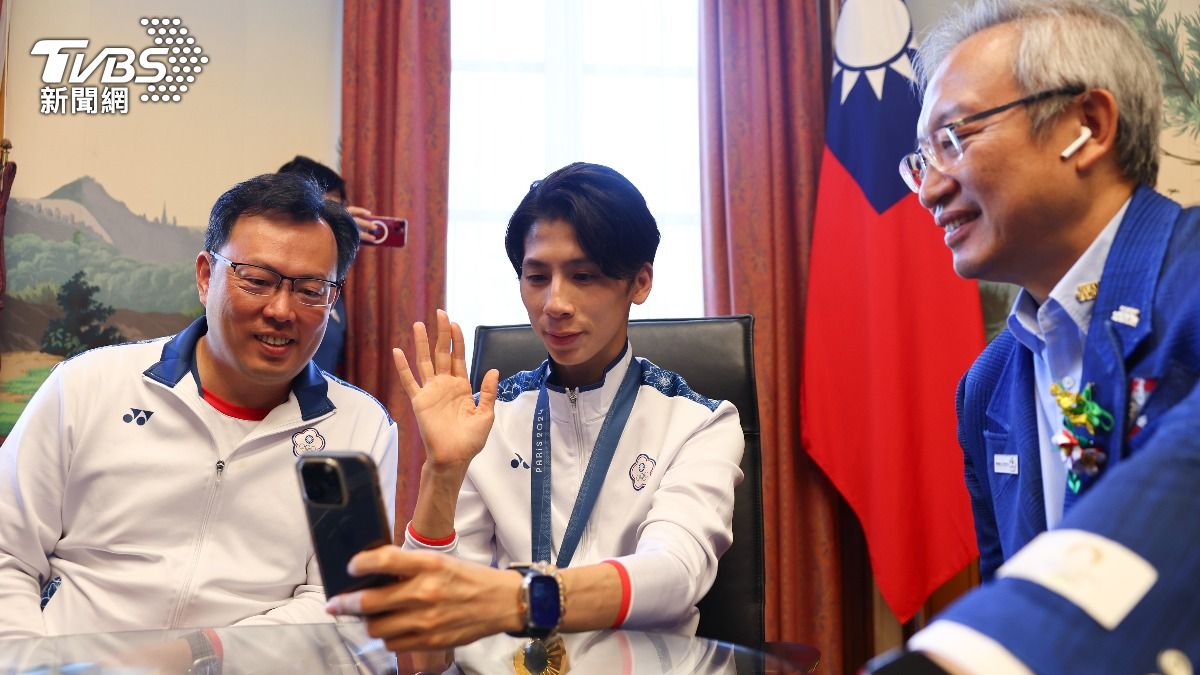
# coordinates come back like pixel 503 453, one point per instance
pixel 152 485
pixel 597 462
pixel 1037 154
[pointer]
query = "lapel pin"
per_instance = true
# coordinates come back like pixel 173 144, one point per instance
pixel 1087 292
pixel 1127 315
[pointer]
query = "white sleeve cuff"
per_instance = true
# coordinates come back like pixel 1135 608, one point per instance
pixel 411 543
pixel 966 650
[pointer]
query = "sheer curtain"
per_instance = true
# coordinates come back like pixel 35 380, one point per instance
pixel 536 85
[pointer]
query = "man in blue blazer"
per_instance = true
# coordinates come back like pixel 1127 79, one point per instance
pixel 1037 155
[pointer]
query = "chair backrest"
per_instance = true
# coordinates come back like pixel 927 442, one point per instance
pixel 716 357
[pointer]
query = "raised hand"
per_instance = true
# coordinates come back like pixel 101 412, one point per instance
pixel 452 426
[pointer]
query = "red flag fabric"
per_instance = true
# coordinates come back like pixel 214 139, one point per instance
pixel 889 327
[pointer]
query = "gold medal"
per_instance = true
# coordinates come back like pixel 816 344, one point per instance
pixel 541 657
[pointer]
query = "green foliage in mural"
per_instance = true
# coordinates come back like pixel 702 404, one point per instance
pixel 1175 43
pixel 34 262
pixel 82 324
pixel 26 384
pixel 41 294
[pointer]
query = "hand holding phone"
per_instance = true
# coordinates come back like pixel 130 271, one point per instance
pixel 346 514
pixel 384 231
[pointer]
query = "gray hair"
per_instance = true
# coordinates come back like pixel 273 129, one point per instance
pixel 1064 43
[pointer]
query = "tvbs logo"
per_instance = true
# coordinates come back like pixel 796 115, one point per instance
pixel 168 68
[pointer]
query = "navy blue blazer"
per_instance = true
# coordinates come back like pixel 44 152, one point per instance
pixel 1149 503
pixel 1153 267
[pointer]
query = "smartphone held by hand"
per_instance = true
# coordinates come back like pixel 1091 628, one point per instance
pixel 346 514
pixel 383 231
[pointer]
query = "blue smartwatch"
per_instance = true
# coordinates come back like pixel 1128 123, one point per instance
pixel 542 599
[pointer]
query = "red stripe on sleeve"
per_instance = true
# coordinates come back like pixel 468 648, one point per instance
pixel 626 593
pixel 446 541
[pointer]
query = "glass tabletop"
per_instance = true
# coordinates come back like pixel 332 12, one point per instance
pixel 346 648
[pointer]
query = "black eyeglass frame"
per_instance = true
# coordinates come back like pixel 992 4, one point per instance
pixel 927 160
pixel 335 285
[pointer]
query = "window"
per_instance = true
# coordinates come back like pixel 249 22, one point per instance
pixel 538 85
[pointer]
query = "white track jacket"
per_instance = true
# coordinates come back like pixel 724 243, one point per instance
pixel 666 505
pixel 113 479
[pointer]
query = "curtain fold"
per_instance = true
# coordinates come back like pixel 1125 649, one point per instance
pixel 396 161
pixel 762 80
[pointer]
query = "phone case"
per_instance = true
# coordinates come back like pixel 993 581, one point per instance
pixel 393 231
pixel 356 521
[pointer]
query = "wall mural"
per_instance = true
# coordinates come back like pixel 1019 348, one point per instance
pixel 1172 31
pixel 84 271
pixel 126 125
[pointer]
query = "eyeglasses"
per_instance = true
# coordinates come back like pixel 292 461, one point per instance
pixel 942 148
pixel 261 281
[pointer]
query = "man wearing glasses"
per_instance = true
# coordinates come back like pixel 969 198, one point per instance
pixel 1037 154
pixel 153 483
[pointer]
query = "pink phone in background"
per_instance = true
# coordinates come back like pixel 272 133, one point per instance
pixel 389 231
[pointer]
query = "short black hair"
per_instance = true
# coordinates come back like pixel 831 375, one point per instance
pixel 612 223
pixel 286 196
pixel 327 178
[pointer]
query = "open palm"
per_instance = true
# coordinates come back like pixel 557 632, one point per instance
pixel 452 426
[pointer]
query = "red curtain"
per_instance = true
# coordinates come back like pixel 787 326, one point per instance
pixel 396 161
pixel 763 67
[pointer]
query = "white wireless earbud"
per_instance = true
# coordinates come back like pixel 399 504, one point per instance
pixel 1084 134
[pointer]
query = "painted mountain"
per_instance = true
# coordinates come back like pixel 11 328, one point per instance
pixel 84 206
pixel 83 270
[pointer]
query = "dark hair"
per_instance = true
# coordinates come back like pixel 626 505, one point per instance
pixel 286 196
pixel 327 178
pixel 612 224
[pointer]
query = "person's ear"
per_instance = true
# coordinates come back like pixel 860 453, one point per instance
pixel 642 281
pixel 203 275
pixel 1098 118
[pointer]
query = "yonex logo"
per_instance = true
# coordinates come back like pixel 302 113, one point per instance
pixel 141 416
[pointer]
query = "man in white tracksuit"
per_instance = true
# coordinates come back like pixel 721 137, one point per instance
pixel 597 459
pixel 153 483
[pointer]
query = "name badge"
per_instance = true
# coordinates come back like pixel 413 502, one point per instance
pixel 1005 464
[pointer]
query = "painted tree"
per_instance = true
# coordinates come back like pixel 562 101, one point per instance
pixel 1175 43
pixel 82 324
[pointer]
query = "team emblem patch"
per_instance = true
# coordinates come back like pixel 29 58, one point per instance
pixel 308 440
pixel 640 470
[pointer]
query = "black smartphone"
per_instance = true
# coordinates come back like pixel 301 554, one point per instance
pixel 388 231
pixel 345 515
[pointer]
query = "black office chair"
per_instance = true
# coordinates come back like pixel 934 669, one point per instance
pixel 716 357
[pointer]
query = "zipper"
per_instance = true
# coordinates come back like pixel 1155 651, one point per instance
pixel 576 423
pixel 190 578
pixel 584 454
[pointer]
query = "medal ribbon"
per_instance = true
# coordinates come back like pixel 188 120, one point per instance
pixel 593 477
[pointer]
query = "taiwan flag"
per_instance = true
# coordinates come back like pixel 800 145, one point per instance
pixel 889 328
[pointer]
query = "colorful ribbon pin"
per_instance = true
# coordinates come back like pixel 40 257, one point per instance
pixel 1082 416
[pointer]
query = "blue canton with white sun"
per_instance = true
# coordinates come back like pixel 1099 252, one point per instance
pixel 873 106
